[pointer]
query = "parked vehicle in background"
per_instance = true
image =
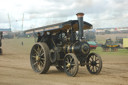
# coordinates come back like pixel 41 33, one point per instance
pixel 92 44
pixel 122 41
pixel 91 39
pixel 125 43
pixel 110 46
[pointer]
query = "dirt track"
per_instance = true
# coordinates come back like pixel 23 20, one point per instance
pixel 15 69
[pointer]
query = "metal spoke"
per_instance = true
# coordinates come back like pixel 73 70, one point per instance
pixel 67 60
pixel 68 69
pixel 71 70
pixel 73 65
pixel 39 67
pixel 42 59
pixel 90 61
pixel 38 48
pixel 97 67
pixel 97 63
pixel 91 58
pixel 95 57
pixel 67 66
pixel 34 56
pixel 71 60
pixel 41 62
pixel 36 52
pixel 41 50
pixel 35 63
pixel 92 68
pixel 42 54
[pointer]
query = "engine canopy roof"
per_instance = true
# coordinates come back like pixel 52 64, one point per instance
pixel 63 26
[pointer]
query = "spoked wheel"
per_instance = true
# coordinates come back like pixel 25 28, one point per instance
pixel 71 64
pixel 94 63
pixel 60 68
pixel 39 58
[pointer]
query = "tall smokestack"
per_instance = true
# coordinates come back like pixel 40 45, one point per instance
pixel 80 21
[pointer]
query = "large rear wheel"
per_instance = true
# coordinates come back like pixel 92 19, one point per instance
pixel 39 58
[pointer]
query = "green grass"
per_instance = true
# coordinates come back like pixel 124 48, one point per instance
pixel 120 52
pixel 13 44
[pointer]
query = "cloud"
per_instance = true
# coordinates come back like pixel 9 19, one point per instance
pixel 100 13
pixel 59 9
pixel 3 17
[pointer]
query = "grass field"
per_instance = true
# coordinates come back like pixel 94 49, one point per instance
pixel 120 52
pixel 29 42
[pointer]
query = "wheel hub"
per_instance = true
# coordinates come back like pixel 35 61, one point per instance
pixel 93 63
pixel 68 65
pixel 37 58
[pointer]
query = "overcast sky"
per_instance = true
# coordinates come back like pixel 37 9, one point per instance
pixel 100 13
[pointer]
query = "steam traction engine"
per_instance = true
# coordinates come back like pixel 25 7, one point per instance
pixel 64 48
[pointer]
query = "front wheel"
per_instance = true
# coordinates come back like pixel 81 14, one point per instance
pixel 94 63
pixel 71 64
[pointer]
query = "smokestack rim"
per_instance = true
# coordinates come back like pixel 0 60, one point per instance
pixel 80 14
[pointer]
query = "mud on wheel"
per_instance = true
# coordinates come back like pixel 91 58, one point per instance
pixel 94 63
pixel 39 58
pixel 71 64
